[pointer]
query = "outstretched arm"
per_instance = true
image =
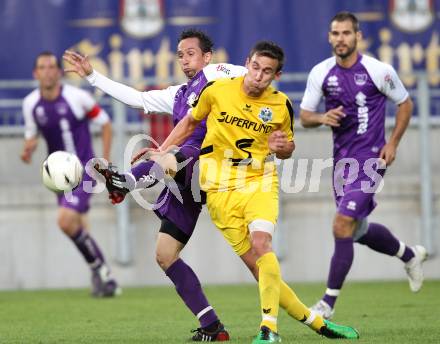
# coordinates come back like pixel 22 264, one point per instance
pixel 81 66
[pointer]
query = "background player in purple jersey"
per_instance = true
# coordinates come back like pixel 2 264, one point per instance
pixel 355 88
pixel 61 114
pixel 178 219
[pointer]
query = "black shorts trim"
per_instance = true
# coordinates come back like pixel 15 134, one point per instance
pixel 180 176
pixel 206 150
pixel 170 228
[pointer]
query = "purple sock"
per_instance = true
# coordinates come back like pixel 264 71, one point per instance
pixel 149 169
pixel 89 249
pixel 190 291
pixel 380 239
pixel 339 267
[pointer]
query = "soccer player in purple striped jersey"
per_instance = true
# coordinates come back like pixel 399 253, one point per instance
pixel 61 114
pixel 178 219
pixel 356 88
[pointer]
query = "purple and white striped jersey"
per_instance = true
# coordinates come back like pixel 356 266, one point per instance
pixel 362 90
pixel 63 122
pixel 175 100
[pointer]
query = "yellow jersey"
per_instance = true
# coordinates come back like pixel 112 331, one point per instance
pixel 235 151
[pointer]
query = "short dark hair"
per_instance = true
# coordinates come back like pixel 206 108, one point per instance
pixel 47 53
pixel 205 42
pixel 344 16
pixel 269 49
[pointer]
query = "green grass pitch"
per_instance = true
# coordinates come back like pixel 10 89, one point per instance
pixel 383 312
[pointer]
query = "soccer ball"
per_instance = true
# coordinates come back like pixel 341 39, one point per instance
pixel 62 171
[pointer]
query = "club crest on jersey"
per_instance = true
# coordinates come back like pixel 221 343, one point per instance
pixel 412 16
pixel 265 114
pixel 360 79
pixel 61 108
pixel 40 115
pixel 142 18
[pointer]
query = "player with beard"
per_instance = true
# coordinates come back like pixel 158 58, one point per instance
pixel 355 88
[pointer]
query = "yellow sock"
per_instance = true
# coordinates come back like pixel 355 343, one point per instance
pixel 269 286
pixel 297 310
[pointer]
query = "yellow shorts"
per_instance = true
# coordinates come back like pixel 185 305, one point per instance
pixel 232 212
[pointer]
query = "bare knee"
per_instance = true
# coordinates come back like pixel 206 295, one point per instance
pixel 343 226
pixel 261 244
pixel 166 259
pixel 69 223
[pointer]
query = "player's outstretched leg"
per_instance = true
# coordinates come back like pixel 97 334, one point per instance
pixel 335 331
pixel 118 185
pixel 144 175
pixel 297 310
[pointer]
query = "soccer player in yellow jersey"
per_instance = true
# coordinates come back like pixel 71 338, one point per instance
pixel 248 122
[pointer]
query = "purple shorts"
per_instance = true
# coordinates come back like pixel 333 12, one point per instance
pixel 354 194
pixel 78 199
pixel 183 215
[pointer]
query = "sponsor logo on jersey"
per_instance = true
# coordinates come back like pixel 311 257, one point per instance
pixel 412 16
pixel 333 81
pixel 244 123
pixel 362 113
pixel 224 69
pixel 247 108
pixel 333 85
pixel 265 114
pixel 141 18
pixel 360 79
pixel 389 81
